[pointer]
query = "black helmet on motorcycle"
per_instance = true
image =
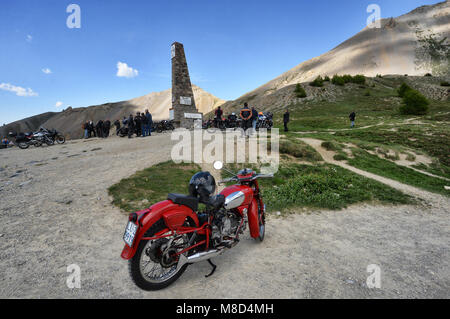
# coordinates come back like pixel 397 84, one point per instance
pixel 202 185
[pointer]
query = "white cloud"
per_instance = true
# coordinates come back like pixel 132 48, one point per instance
pixel 123 70
pixel 20 91
pixel 29 38
pixel 59 104
pixel 47 71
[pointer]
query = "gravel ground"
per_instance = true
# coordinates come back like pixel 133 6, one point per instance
pixel 55 212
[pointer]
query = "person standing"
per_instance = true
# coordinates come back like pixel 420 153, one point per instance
pixel 86 129
pixel 117 125
pixel 352 118
pixel 130 123
pixel 91 129
pixel 246 115
pixel 218 117
pixel 144 125
pixel 254 119
pixel 286 120
pixel 106 128
pixel 149 118
pixel 99 128
pixel 138 124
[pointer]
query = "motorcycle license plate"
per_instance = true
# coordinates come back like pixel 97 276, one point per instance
pixel 130 233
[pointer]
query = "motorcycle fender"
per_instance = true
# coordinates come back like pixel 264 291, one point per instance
pixel 173 215
pixel 253 220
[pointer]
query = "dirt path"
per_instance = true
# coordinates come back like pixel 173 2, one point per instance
pixel 328 157
pixel 55 212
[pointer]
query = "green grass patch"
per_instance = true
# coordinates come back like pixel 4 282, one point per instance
pixel 151 185
pixel 331 146
pixel 376 165
pixel 434 141
pixel 325 186
pixel 299 150
pixel 341 156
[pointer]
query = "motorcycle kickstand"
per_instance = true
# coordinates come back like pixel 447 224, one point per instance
pixel 213 270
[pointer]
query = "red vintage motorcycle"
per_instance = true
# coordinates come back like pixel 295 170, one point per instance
pixel 161 241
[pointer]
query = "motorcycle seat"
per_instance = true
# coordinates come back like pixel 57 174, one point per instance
pixel 185 200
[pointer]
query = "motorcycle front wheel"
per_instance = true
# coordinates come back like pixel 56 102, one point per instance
pixel 262 223
pixel 147 273
pixel 24 145
pixel 60 139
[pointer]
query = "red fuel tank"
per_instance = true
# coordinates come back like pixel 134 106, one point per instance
pixel 237 195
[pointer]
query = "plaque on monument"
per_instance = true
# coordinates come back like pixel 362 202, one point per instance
pixel 185 100
pixel 197 116
pixel 172 51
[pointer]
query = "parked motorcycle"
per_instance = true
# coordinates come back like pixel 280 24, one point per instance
pixel 161 241
pixel 207 124
pixel 165 126
pixel 265 121
pixel 54 135
pixel 43 137
pixel 122 132
pixel 24 140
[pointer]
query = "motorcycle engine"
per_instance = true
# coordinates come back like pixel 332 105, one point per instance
pixel 224 226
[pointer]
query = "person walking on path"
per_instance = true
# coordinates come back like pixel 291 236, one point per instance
pixel 286 120
pixel 352 118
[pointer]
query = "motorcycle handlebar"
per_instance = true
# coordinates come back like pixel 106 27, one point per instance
pixel 235 178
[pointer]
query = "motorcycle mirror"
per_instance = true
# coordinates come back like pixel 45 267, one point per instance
pixel 218 165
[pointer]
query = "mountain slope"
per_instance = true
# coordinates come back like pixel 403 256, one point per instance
pixel 70 120
pixel 415 44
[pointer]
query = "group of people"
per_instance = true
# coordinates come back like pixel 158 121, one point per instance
pixel 139 124
pixel 101 129
pixel 249 117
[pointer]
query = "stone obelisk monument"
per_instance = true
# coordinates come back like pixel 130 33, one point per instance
pixel 183 110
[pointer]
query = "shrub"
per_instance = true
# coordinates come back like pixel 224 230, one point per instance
pixel 347 78
pixel 379 76
pixel 414 103
pixel 331 146
pixel 367 93
pixel 340 157
pixel 428 74
pixel 300 91
pixel 403 89
pixel 318 82
pixel 326 79
pixel 299 150
pixel 359 79
pixel 445 83
pixel 338 80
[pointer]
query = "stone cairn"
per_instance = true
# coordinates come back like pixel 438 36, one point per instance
pixel 183 111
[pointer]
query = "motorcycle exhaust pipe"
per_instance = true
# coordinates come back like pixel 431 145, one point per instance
pixel 198 257
pixel 204 255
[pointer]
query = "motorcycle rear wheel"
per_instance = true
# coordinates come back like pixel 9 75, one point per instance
pixel 137 272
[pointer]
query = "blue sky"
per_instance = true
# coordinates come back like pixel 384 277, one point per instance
pixel 232 46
